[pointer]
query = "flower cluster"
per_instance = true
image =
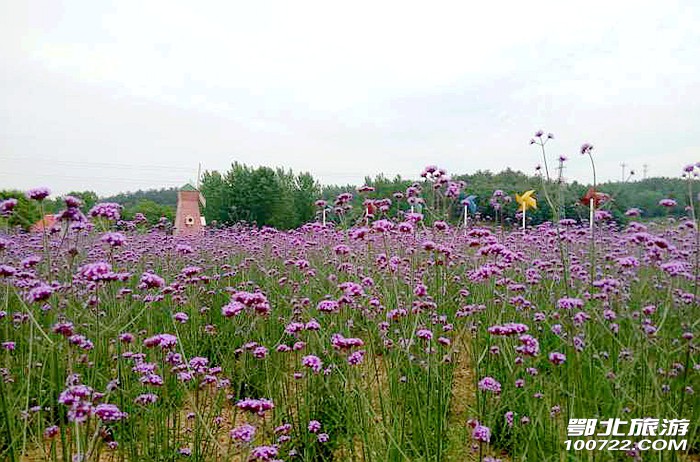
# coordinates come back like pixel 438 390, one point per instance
pixel 109 210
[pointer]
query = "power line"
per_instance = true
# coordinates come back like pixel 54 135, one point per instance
pixel 131 180
pixel 90 164
pixel 118 165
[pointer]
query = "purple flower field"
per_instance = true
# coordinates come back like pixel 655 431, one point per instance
pixel 398 338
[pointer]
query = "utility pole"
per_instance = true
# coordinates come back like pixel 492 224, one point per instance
pixel 562 180
pixel 623 165
pixel 561 170
pixel 646 166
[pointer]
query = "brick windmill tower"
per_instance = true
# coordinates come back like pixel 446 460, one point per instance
pixel 188 218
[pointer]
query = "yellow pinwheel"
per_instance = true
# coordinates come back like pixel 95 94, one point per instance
pixel 526 201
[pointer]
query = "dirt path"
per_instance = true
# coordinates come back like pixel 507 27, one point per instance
pixel 462 405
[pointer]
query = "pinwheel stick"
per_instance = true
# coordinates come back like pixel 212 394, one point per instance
pixel 324 217
pixel 466 211
pixel 591 206
pixel 524 211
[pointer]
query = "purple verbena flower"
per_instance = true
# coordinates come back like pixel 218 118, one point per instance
pixel 481 433
pixel 557 358
pixel 312 362
pixel 38 194
pixel 314 426
pixel 243 433
pixel 108 210
pixel 490 384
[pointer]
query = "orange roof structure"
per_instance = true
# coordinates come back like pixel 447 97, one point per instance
pixel 45 223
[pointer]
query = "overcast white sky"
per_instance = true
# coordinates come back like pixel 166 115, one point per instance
pixel 114 96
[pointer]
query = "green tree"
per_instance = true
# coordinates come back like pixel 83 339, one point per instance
pixel 218 199
pixel 89 199
pixel 163 196
pixel 306 192
pixel 26 213
pixel 264 196
pixel 150 209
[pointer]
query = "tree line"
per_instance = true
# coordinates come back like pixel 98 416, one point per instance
pixel 261 196
pixel 153 204
pixel 283 199
pixel 644 195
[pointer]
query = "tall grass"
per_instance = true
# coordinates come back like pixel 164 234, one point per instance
pixel 412 298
